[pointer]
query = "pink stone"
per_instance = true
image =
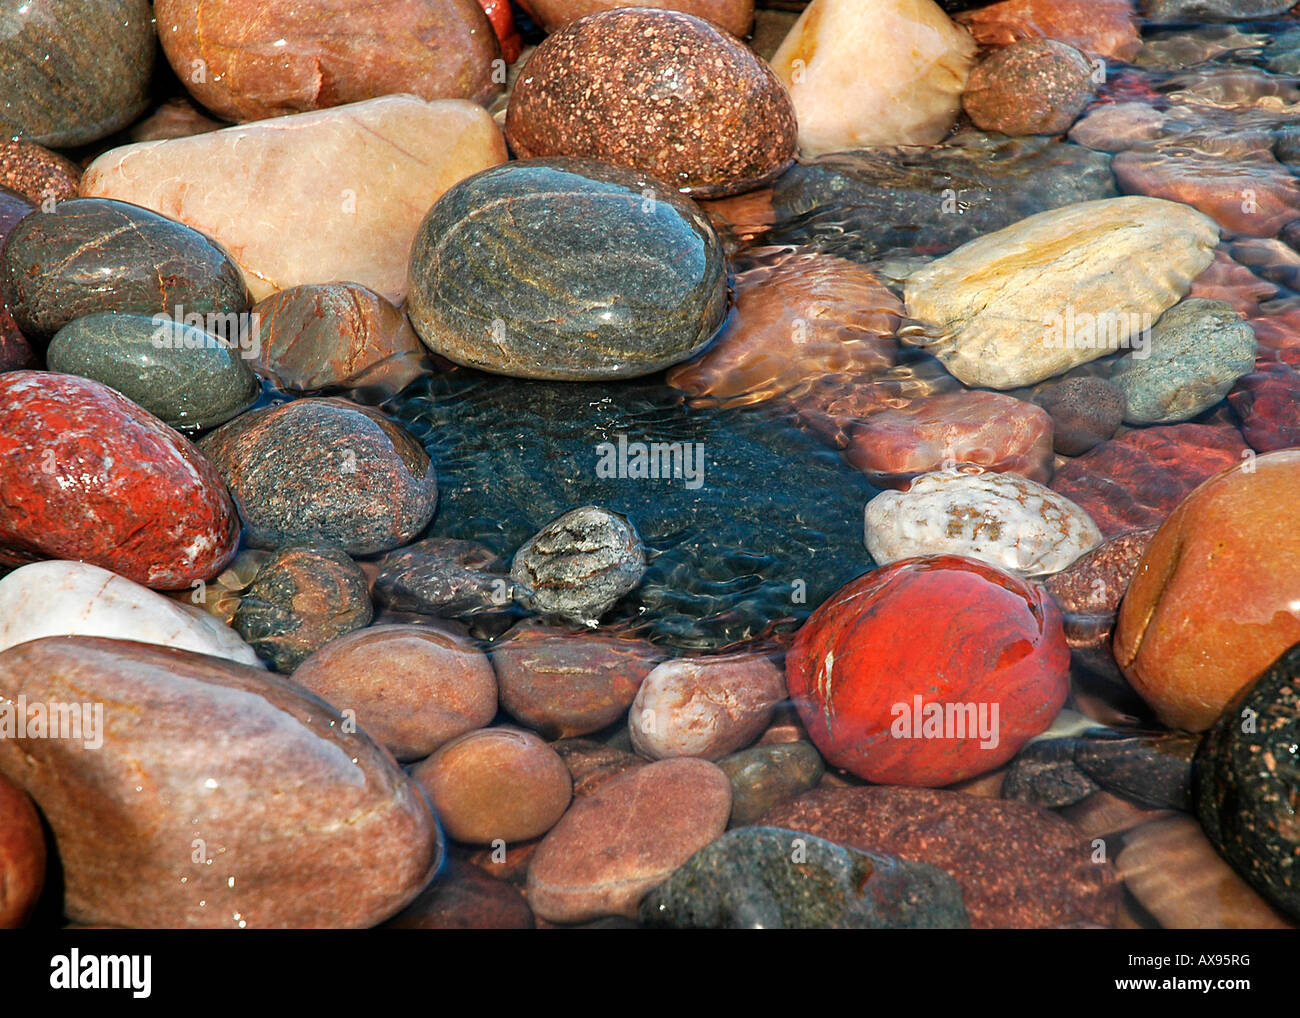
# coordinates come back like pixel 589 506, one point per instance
pixel 1268 403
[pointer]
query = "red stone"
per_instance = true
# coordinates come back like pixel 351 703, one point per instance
pixel 1277 330
pixel 86 474
pixel 1227 279
pixel 1268 403
pixel 22 856
pixel 949 630
pixel 503 23
pixel 1136 480
pixel 1103 28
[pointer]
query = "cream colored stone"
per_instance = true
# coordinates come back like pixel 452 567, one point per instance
pixel 330 196
pixel 889 72
pixel 1058 289
pixel 58 598
pixel 1004 519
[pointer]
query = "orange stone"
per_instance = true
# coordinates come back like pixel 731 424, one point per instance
pixel 1104 28
pixel 1216 596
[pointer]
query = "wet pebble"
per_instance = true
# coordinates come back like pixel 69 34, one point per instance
pixel 1037 86
pixel 22 856
pixel 1085 412
pixel 464 897
pixel 764 776
pixel 1267 401
pixel 443 577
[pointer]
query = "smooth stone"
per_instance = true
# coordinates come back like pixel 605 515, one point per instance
pixel 1106 816
pixel 647 290
pixel 863 204
pixel 704 707
pixel 765 776
pixel 1022 305
pixel 969 431
pixel 615 846
pixel 1044 773
pixel 247 61
pixel 563 684
pixel 1102 28
pixel 1165 11
pixel 153 265
pixel 412 688
pixel 871 666
pixel 860 76
pixel 1116 127
pixel 301 600
pixel 793 323
pixel 578 566
pixel 593 765
pixel 177 117
pixel 22 857
pixel 1003 519
pixel 1035 86
pixel 291 823
pixel 351 185
pixel 325 470
pixel 1277 330
pixel 78 599
pixel 663 93
pixel 1194 356
pixel 766 878
pixel 187 378
pixel 1152 770
pixel 36 173
pixel 463 897
pixel 1267 401
pixel 74 72
pixel 1085 412
pixel 102 481
pixel 1214 600
pixel 1246 781
pixel 1230 281
pixel 496 784
pixel 445 578
pixel 1042 875
pixel 1135 480
pixel 1173 871
pixel 735 16
pixel 336 336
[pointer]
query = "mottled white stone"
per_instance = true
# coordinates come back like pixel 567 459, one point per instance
pixel 58 598
pixel 1058 289
pixel 1003 519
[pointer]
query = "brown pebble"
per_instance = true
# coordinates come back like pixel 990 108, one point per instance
pixel 592 765
pixel 36 173
pixel 1037 86
pixel 463 897
pixel 22 856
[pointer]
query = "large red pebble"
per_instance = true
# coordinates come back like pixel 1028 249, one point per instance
pixel 951 632
pixel 86 474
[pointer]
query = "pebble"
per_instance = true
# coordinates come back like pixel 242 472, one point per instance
pixel 73 72
pixel 1058 289
pixel 102 481
pixel 22 857
pixel 304 825
pixel 16 352
pixel 351 185
pixel 564 684
pixel 187 378
pixel 1165 11
pixel 1214 600
pixel 1085 412
pixel 1228 280
pixel 1118 126
pixel 765 878
pixel 48 258
pixel 616 845
pixel 1006 520
pixel 445 578
pixel 765 776
pixel 336 336
pixel 496 784
pixel 302 599
pixel 325 470
pixel 1102 28
pixel 1136 479
pixel 1044 773
pixel 886 694
pixel 661 92
pixel 412 688
pixel 578 565
pixel 561 301
pixel 1036 86
pixel 704 707
pixel 36 173
pixel 861 77
pixel 1043 874
pixel 592 765
pixel 463 897
pixel 735 16
pixel 1153 770
pixel 263 61
pixel 57 598
pixel 1195 354
pixel 1267 401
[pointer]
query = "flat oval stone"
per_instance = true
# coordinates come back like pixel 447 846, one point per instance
pixel 302 599
pixel 77 599
pixel 1004 519
pixel 22 856
pixel 187 378
pixel 326 470
pixel 261 61
pixel 1038 86
pixel 412 688
pixel 444 577
pixel 171 822
pixel 765 776
pixel 153 266
pixel 88 475
pixel 661 92
pixel 74 72
pixel 647 290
